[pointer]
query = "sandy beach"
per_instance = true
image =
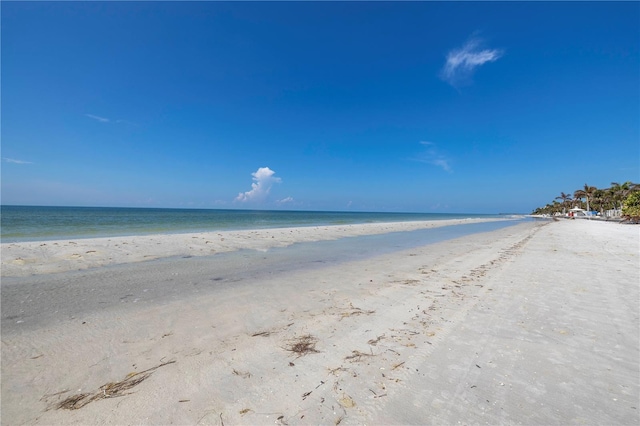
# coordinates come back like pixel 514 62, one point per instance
pixel 535 323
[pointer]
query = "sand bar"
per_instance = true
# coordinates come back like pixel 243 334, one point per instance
pixel 44 257
pixel 530 324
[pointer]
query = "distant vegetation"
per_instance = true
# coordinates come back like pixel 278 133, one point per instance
pixel 622 197
pixel 631 206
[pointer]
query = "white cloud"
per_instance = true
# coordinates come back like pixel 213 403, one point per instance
pixel 461 63
pixel 433 156
pixel 100 119
pixel 14 161
pixel 263 180
pixel 285 200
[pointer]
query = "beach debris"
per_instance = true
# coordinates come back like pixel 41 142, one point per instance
pixel 49 395
pixel 241 374
pixel 262 333
pixel 375 341
pixel 355 311
pixel 337 370
pixel 303 345
pixel 356 356
pixel 76 402
pixel 109 390
pixel 245 411
pixel 346 401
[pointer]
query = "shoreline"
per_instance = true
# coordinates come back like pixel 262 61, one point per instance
pixel 31 223
pixel 535 323
pixel 45 257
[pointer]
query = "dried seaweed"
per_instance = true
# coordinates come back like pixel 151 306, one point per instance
pixel 356 356
pixel 303 345
pixel 108 390
pixel 244 375
pixel 337 370
pixel 376 340
pixel 355 311
pixel 75 402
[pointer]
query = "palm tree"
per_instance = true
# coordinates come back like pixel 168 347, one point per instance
pixel 600 197
pixel 616 194
pixel 627 188
pixel 566 198
pixel 587 193
pixel 578 195
pixel 620 192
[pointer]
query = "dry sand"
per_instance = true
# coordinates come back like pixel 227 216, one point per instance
pixel 536 323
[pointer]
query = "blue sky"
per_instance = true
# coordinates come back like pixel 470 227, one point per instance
pixel 364 106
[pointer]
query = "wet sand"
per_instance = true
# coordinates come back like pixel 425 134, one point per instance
pixel 536 323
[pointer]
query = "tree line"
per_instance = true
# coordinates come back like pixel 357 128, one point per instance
pixel 622 197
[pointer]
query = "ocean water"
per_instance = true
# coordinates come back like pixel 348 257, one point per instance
pixel 30 223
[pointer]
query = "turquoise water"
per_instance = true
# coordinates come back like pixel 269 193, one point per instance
pixel 29 223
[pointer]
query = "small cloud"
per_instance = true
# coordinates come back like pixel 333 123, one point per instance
pixel 433 156
pixel 441 162
pixel 263 180
pixel 285 200
pixel 14 161
pixel 100 119
pixel 108 120
pixel 462 63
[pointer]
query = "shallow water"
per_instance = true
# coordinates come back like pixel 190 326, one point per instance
pixel 35 301
pixel 30 223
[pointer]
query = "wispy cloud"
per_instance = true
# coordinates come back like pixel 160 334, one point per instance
pixel 461 63
pixel 263 180
pixel 98 118
pixel 14 161
pixel 109 120
pixel 285 200
pixel 432 155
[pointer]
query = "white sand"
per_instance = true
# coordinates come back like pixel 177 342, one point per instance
pixel 531 324
pixel 28 258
